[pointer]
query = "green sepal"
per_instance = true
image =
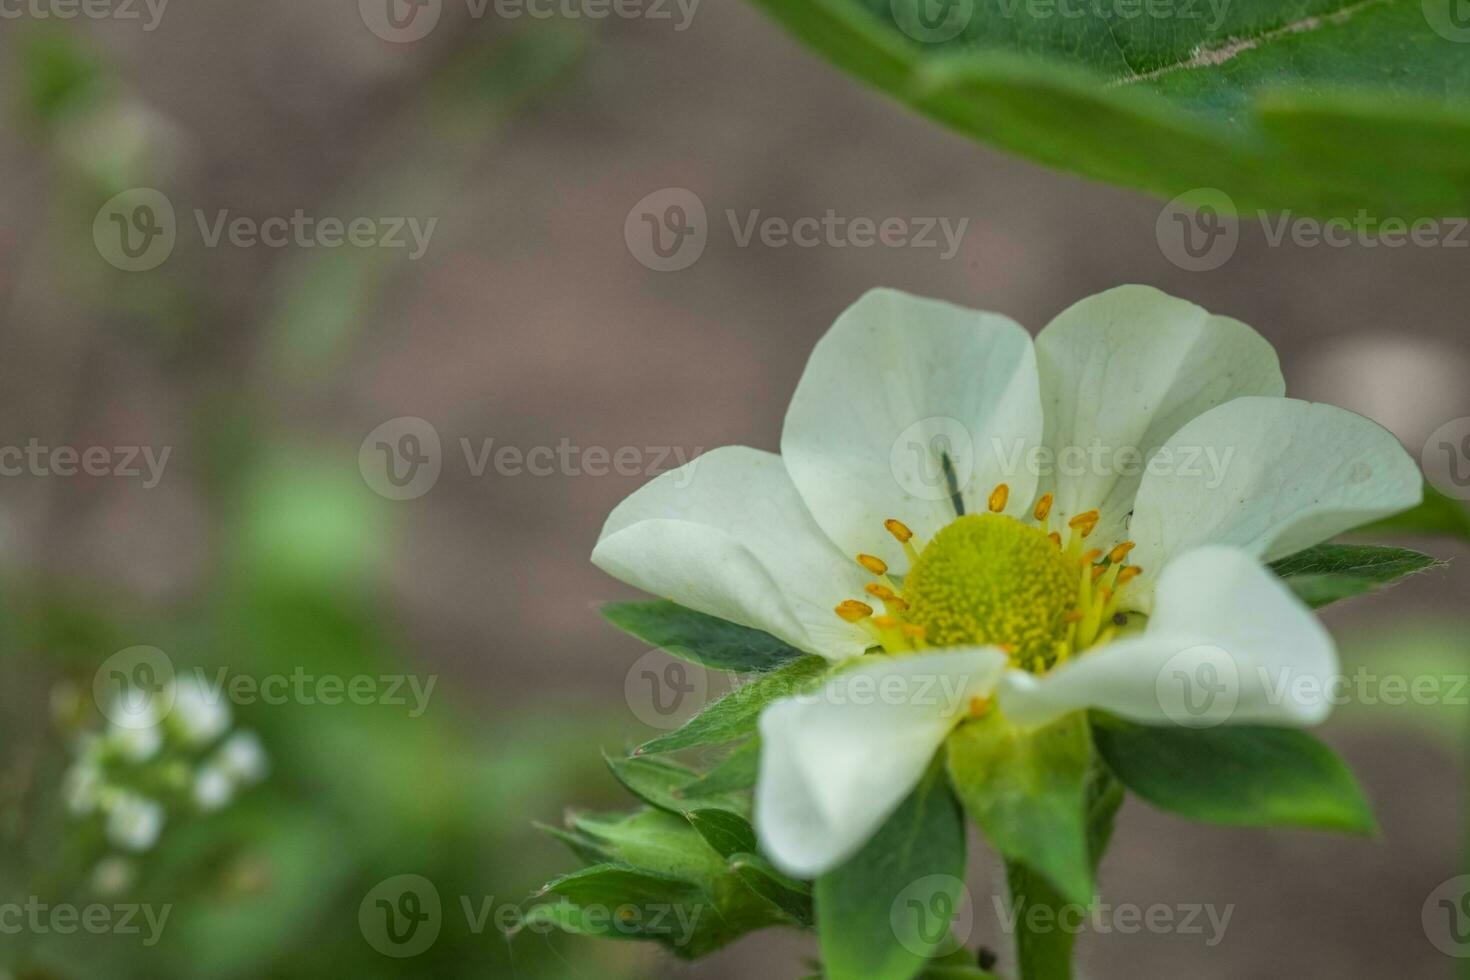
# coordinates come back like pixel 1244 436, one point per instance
pixel 735 715
pixel 885 911
pixel 1323 574
pixel 1027 791
pixel 700 638
pixel 1243 776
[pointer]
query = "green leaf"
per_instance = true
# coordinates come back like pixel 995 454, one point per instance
pixel 1238 775
pixel 728 833
pixel 1437 514
pixel 1321 106
pixel 698 638
pixel 884 912
pixel 650 840
pixel 662 783
pixel 1328 572
pixel 1028 791
pixel 735 715
pixel 792 897
pixel 735 772
pixel 618 902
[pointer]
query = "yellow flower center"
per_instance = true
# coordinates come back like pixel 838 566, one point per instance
pixel 989 580
pixel 993 580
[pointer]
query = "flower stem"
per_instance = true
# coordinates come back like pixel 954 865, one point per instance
pixel 1044 940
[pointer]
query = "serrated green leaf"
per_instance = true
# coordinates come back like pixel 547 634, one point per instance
pixel 698 638
pixel 1436 514
pixel 916 862
pixel 662 783
pixel 652 840
pixel 1321 106
pixel 792 897
pixel 1243 776
pixel 735 772
pixel 1028 792
pixel 728 833
pixel 618 902
pixel 1323 574
pixel 735 715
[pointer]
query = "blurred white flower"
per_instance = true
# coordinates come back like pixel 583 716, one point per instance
pixel 242 757
pixel 199 716
pixel 81 787
pixel 134 822
pixel 113 875
pixel 213 788
pixel 135 744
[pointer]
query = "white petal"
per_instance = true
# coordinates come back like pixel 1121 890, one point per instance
pixel 897 383
pixel 1228 643
pixel 728 535
pixel 836 763
pixel 1271 476
pixel 1120 373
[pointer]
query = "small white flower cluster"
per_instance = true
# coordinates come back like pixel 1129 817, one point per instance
pixel 171 754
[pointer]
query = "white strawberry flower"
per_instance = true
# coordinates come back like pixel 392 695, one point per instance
pixel 1049 526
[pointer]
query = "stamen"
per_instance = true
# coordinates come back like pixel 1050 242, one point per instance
pixel 1043 507
pixel 1120 552
pixel 1091 555
pixel 1129 574
pixel 913 631
pixel 1097 571
pixel 853 611
pixel 873 564
pixel 905 537
pixel 979 707
pixel 885 622
pixel 1084 522
pixel 879 590
pixel 998 498
pixel 899 530
pixel 1073 615
pixel 1056 537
